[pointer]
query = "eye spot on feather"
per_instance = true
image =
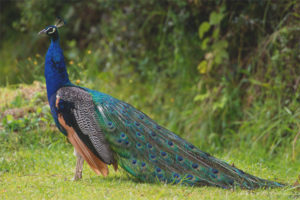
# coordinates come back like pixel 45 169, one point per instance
pixel 119 141
pixel 138 134
pixel 141 117
pixel 123 135
pixel 158 170
pixel 137 123
pixel 160 176
pixel 133 162
pixel 163 154
pixel 149 146
pixel 138 145
pixel 191 146
pixel 110 126
pixel 153 134
pixel 127 143
pixel 215 171
pixel 158 127
pixel 195 165
pixel 179 158
pixel 170 143
pixel 176 176
pixel 152 157
pixel 143 164
pixel 189 177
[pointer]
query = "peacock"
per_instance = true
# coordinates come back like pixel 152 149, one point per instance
pixel 106 131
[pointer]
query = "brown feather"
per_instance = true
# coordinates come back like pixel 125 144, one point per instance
pixel 94 162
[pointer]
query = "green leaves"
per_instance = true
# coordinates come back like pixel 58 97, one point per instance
pixel 220 52
pixel 204 27
pixel 214 49
pixel 215 18
pixel 203 67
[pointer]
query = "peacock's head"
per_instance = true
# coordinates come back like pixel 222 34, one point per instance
pixel 52 30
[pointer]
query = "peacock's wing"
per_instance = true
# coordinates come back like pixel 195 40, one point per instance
pixel 153 153
pixel 77 116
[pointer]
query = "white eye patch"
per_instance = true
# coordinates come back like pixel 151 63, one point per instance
pixel 53 30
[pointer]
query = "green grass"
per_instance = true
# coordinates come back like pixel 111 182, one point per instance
pixel 37 162
pixel 45 172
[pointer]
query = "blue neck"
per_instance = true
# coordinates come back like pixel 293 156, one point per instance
pixel 55 68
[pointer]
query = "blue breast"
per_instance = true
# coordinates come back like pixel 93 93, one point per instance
pixel 56 75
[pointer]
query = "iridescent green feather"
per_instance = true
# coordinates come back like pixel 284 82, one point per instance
pixel 152 153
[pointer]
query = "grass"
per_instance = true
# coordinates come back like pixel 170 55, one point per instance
pixel 37 162
pixel 45 172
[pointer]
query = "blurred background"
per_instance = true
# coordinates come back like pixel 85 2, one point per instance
pixel 222 74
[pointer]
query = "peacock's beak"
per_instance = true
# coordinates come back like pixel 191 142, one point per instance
pixel 42 31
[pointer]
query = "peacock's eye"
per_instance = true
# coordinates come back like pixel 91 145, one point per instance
pixel 51 30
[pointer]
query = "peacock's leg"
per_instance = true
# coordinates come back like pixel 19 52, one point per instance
pixel 79 165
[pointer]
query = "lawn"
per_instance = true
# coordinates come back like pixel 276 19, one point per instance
pixel 37 162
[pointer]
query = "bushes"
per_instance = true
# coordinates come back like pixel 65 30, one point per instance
pixel 212 71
